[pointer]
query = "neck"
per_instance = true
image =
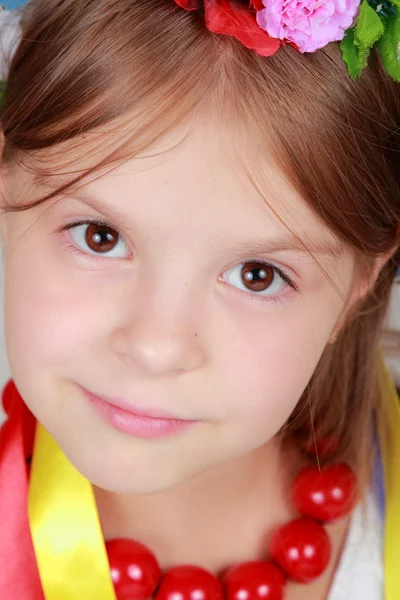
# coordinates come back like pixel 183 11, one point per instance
pixel 216 519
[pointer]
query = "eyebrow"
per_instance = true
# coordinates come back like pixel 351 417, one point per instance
pixel 320 247
pixel 109 211
pixel 290 243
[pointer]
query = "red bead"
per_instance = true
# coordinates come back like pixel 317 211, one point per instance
pixel 134 569
pixel 189 583
pixel 256 580
pixel 327 494
pixel 302 549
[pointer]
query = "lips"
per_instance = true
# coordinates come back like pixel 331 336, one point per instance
pixel 134 420
pixel 151 413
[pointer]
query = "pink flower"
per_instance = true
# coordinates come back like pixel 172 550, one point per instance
pixel 309 24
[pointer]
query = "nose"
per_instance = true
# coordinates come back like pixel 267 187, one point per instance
pixel 158 340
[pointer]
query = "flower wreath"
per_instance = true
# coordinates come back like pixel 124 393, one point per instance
pixel 265 25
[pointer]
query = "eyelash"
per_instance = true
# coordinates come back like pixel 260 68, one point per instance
pixel 73 248
pixel 289 282
pixel 252 296
pixel 276 299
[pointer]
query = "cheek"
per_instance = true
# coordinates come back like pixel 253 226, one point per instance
pixel 48 313
pixel 267 363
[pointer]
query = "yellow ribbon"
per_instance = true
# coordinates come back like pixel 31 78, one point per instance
pixel 67 535
pixel 391 460
pixel 65 527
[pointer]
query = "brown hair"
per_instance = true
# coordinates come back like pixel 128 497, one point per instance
pixel 141 66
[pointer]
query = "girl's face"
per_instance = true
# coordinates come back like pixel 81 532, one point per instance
pixel 169 285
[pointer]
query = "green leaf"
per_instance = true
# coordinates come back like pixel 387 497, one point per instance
pixel 358 41
pixel 350 53
pixel 368 30
pixel 389 47
pixel 369 27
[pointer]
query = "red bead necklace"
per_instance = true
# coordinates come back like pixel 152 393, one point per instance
pixel 299 550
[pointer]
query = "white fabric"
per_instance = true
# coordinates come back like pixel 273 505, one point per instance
pixel 360 574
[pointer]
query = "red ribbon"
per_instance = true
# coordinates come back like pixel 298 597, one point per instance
pixel 231 17
pixel 19 575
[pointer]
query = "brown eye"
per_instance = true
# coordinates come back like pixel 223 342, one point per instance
pixel 257 277
pixel 99 238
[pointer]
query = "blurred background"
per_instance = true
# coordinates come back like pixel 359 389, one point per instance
pixel 8 38
pixel 11 4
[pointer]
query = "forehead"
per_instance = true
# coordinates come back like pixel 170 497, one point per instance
pixel 201 174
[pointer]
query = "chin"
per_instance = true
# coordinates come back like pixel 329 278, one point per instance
pixel 139 481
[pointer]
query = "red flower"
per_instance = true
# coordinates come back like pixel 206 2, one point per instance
pixel 235 18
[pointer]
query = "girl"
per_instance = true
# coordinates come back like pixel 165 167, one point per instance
pixel 200 224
